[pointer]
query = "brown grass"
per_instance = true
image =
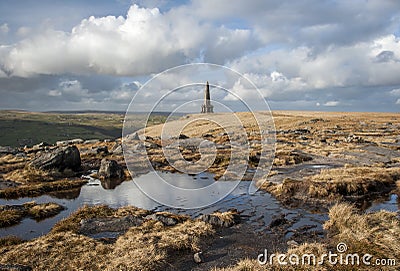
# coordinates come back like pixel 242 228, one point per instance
pixel 10 240
pixel 307 248
pixel 10 217
pixel 151 246
pixel 71 223
pixel 350 181
pixel 10 159
pixel 336 184
pixel 37 189
pixel 44 210
pixel 29 175
pixel 375 233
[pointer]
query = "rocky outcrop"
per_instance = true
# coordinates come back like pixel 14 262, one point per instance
pixel 109 224
pixel 60 159
pixel 167 219
pixel 225 220
pixel 8 150
pixel 69 142
pixel 110 169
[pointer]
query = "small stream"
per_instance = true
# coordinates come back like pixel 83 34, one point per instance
pixel 258 209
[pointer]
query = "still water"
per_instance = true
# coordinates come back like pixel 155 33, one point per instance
pixel 258 209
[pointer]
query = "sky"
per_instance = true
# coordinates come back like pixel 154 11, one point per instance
pixel 301 55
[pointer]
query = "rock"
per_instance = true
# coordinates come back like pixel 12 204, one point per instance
pixel 117 149
pixel 8 150
pixel 14 267
pixel 354 139
pixel 225 220
pixel 301 131
pixel 110 169
pixel 150 145
pixel 62 143
pixel 91 141
pixel 70 142
pixel 279 221
pixel 183 136
pixel 59 158
pixel 109 224
pixel 166 219
pixel 198 257
pixel 21 155
pixel 110 183
pixel 133 136
pixel 76 141
pixel 40 146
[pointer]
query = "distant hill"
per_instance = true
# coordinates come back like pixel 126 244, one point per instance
pixel 20 128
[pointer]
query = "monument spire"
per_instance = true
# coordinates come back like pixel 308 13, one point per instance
pixel 207 107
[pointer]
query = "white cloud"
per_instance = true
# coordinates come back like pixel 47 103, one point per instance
pixel 23 31
pixel 4 28
pixel 398 101
pixel 331 103
pixel 395 92
pixel 144 42
pixel 54 93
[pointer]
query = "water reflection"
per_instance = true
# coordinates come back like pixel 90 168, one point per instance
pixel 110 183
pixel 258 208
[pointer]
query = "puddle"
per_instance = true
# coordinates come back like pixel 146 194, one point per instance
pixel 391 203
pixel 257 209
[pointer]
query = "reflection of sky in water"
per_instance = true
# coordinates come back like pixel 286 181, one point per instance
pixel 390 205
pixel 258 209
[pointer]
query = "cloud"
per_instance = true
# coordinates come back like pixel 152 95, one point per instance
pixel 4 28
pixel 398 101
pixel 144 42
pixel 55 93
pixel 331 103
pixel 300 53
pixel 395 92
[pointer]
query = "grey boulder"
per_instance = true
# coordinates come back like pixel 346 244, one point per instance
pixel 60 159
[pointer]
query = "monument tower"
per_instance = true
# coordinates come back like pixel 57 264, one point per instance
pixel 207 107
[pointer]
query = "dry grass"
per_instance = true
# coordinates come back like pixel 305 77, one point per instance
pixel 61 251
pixel 355 181
pixel 308 248
pixel 71 223
pixel 336 184
pixel 10 217
pixel 44 210
pixel 10 240
pixel 225 219
pixel 375 233
pixel 10 159
pixel 151 246
pixel 285 157
pixel 28 175
pixel 37 189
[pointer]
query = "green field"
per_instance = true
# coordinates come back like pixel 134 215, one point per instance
pixel 19 128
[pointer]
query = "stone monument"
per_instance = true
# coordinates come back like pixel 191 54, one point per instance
pixel 207 107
